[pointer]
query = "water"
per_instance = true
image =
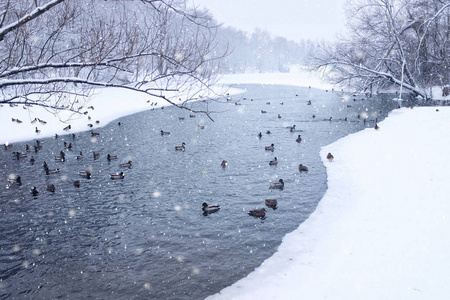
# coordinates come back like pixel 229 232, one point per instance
pixel 145 236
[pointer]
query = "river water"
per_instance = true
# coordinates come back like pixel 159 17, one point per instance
pixel 144 236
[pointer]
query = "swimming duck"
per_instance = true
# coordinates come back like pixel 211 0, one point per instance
pixel 165 133
pixel 279 116
pixel 16 180
pixel 121 175
pixel 263 111
pixel 291 128
pixel 224 163
pixel 260 135
pixel 51 188
pixel 299 139
pixel 277 185
pixel 273 162
pixel 77 183
pixel 32 160
pixel 268 132
pixel 94 133
pixel 96 155
pixel 200 127
pixel 270 148
pixel 85 174
pixel 111 157
pixel 80 156
pixel 211 208
pixel 51 171
pixel 271 202
pixel 125 165
pixel 302 168
pixel 180 148
pixel 330 157
pixel 258 213
pixel 34 191
pixel 61 156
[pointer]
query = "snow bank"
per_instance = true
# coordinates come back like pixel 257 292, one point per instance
pixel 380 230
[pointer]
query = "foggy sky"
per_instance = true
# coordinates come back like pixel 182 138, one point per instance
pixel 293 19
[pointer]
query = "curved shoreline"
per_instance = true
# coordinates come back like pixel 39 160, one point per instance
pixel 379 231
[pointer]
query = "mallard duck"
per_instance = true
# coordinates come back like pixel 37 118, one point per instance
pixel 268 132
pixel 80 156
pixel 180 148
pixel 96 155
pixel 120 175
pixel 263 111
pixel 291 128
pixel 277 185
pixel 330 157
pixel 258 213
pixel 309 102
pixel 93 134
pixel 224 163
pixel 279 116
pixel 37 131
pixel 85 174
pixel 270 148
pixel 211 208
pixel 200 127
pixel 125 165
pixel 32 160
pixel 77 183
pixel 191 116
pixel 51 171
pixel 165 133
pixel 19 154
pixel 67 128
pixel 61 156
pixel 110 157
pixel 34 191
pixel 16 180
pixel 299 139
pixel 271 202
pixel 376 126
pixel 302 168
pixel 51 188
pixel 273 162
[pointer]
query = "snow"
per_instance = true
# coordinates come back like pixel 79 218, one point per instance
pixel 380 230
pixel 378 233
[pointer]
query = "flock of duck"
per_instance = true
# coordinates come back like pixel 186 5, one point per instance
pixel 15 179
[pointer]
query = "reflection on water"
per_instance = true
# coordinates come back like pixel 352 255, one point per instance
pixel 145 235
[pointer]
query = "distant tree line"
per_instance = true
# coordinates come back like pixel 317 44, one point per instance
pixel 261 52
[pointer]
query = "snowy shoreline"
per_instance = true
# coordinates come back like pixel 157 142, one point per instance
pixel 379 231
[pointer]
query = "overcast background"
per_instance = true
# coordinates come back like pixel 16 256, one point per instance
pixel 293 19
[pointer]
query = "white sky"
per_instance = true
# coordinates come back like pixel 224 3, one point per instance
pixel 293 19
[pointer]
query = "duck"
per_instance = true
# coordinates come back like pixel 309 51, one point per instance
pixel 96 155
pixel 67 128
pixel 271 202
pixel 224 163
pixel 77 183
pixel 211 208
pixel 94 133
pixel 50 188
pixel 16 180
pixel 270 148
pixel 302 168
pixel 260 135
pixel 32 160
pixel 263 111
pixel 200 127
pixel 258 213
pixel 125 165
pixel 277 185
pixel 180 148
pixel 273 162
pixel 37 131
pixel 376 126
pixel 80 156
pixel 110 157
pixel 268 132
pixel 120 175
pixel 279 116
pixel 61 156
pixel 165 132
pixel 51 171
pixel 291 128
pixel 330 157
pixel 34 191
pixel 85 174
pixel 299 139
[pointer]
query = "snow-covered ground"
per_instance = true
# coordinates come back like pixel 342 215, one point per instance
pixel 378 233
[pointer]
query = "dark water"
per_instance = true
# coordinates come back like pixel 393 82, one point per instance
pixel 145 237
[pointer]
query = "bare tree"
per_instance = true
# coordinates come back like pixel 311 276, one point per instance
pixel 391 42
pixel 54 52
